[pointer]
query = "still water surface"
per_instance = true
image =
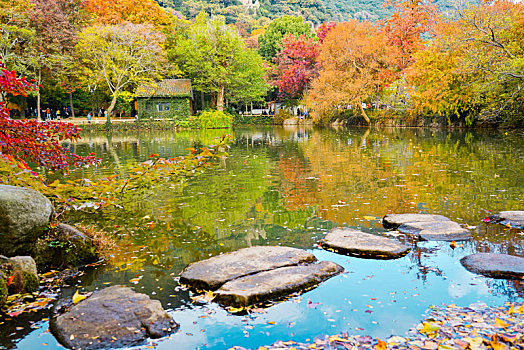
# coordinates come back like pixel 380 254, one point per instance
pixel 288 187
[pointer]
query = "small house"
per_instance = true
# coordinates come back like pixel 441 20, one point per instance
pixel 167 99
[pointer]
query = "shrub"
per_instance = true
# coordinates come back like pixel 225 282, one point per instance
pixel 281 115
pixel 214 120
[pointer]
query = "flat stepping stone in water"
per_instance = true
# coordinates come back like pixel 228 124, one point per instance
pixel 495 265
pixel 392 221
pixel 363 245
pixel 114 317
pixel 427 227
pixel 211 273
pixel 514 218
pixel 272 284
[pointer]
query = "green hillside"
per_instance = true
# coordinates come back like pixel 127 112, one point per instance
pixel 313 11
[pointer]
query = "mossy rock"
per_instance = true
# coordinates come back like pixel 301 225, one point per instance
pixel 25 276
pixel 66 247
pixel 3 290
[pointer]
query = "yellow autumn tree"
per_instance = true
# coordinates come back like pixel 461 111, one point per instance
pixel 357 64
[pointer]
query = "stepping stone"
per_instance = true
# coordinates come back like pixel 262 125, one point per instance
pixel 212 273
pixel 272 284
pixel 514 218
pixel 363 245
pixel 495 265
pixel 114 317
pixel 392 221
pixel 427 227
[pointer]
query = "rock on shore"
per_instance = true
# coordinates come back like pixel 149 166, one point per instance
pixel 112 318
pixel 24 214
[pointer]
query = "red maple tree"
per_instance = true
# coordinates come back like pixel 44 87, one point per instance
pixel 33 141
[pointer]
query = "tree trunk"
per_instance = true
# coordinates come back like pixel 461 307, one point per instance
pixel 38 109
pixel 203 100
pixel 110 109
pixel 71 104
pixel 220 98
pixel 364 113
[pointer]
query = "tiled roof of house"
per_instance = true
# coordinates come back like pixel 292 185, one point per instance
pixel 165 88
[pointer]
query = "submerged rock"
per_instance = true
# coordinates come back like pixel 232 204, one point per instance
pixel 363 245
pixel 24 214
pixel 427 227
pixel 66 247
pixel 211 273
pixel 495 265
pixel 514 218
pixel 281 281
pixel 112 318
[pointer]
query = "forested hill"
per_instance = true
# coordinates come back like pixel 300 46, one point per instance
pixel 314 11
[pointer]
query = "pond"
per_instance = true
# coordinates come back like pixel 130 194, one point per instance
pixel 289 186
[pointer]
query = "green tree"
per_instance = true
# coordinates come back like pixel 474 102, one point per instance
pixel 215 57
pixel 121 56
pixel 270 42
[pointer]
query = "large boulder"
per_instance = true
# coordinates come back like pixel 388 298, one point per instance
pixel 495 265
pixel 24 215
pixel 211 273
pixel 65 247
pixel 272 284
pixel 427 227
pixel 513 218
pixel 363 245
pixel 114 317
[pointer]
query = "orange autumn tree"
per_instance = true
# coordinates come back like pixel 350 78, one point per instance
pixel 357 64
pixel 409 21
pixel 134 11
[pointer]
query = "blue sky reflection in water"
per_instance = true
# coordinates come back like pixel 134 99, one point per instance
pixel 289 187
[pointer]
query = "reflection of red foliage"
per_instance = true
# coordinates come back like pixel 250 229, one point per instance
pixel 33 141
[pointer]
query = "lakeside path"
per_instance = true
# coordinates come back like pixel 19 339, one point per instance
pixel 445 327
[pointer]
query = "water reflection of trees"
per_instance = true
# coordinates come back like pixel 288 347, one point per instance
pixel 289 186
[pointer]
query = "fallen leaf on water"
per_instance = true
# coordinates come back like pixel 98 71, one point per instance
pixel 429 328
pixel 312 305
pixel 501 323
pixel 205 298
pixel 369 218
pixel 234 310
pixel 78 297
pixel 136 280
pixel 381 345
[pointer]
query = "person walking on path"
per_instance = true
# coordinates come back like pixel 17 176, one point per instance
pixel 89 118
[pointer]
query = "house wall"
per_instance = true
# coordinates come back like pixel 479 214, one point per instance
pixel 179 108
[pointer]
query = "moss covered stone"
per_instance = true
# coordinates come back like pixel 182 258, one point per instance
pixel 3 290
pixel 31 282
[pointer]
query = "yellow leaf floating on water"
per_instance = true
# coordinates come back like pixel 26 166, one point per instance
pixel 78 298
pixel 501 323
pixel 369 218
pixel 235 309
pixel 429 328
pixel 205 298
